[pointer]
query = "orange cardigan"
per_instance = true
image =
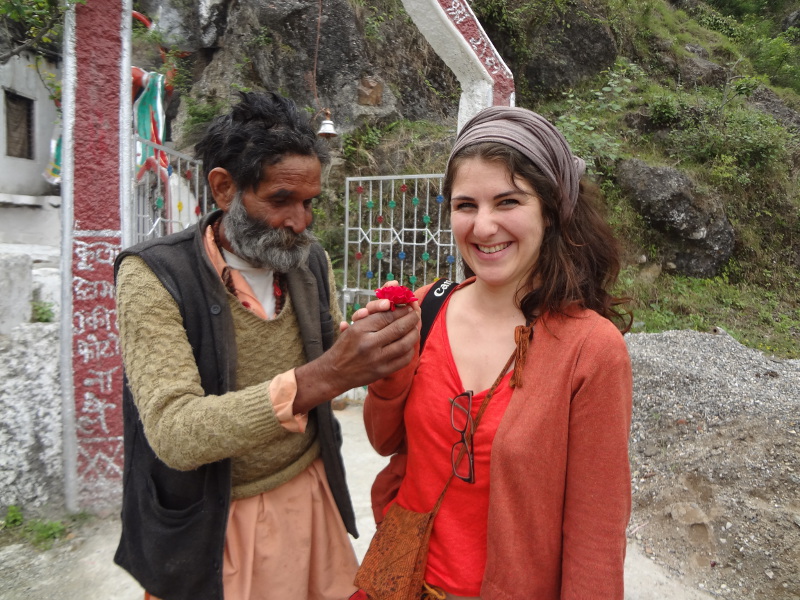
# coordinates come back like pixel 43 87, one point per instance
pixel 560 494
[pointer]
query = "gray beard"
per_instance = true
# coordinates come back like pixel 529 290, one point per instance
pixel 262 246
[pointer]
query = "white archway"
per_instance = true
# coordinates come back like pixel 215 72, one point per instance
pixel 457 37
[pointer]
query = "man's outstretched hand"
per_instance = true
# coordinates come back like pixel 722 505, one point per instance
pixel 378 343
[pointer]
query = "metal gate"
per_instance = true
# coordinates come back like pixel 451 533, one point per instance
pixel 396 228
pixel 169 191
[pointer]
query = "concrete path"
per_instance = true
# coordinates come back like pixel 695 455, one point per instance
pixel 82 569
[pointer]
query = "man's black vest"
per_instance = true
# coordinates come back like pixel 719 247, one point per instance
pixel 173 522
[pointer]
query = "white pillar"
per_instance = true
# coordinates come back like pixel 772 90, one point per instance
pixel 457 37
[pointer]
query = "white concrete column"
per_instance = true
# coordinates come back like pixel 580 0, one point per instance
pixel 457 37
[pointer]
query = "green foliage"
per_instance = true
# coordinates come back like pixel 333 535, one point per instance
pixel 262 38
pixel 13 516
pixel 42 312
pixel 178 65
pixel 511 22
pixel 200 112
pixel 713 20
pixel 44 533
pixel 400 146
pixel 356 146
pixel 377 19
pixel 771 51
pixel 37 17
pixel 589 120
pixel 736 154
pixel 725 173
pixel 778 57
pixel 141 33
pixel 34 25
pixel 630 20
pixel 743 8
pixel 666 110
pixel 754 141
pixel 678 302
pixel 372 26
pixel 49 79
pixel 39 532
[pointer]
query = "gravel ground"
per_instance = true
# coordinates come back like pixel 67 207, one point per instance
pixel 715 456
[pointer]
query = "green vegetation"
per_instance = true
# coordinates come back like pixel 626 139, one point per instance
pixel 263 38
pixel 42 533
pixel 590 120
pixel 33 25
pixel 200 112
pixel 756 316
pixel 42 312
pixel 400 146
pixel 356 146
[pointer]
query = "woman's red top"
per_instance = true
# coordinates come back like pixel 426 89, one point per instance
pixel 457 553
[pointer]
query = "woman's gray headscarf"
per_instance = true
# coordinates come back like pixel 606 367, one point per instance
pixel 536 138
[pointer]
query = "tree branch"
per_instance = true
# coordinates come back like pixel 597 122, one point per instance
pixel 4 58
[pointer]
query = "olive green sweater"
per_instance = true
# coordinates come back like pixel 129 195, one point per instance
pixel 186 428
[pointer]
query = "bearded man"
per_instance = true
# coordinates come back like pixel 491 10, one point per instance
pixel 234 484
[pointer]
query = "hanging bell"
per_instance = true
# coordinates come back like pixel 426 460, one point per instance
pixel 326 129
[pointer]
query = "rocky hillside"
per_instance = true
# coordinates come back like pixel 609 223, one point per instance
pixel 686 112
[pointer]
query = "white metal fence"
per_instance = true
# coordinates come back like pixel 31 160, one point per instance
pixel 396 228
pixel 169 191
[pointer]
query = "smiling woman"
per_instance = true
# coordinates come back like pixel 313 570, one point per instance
pixel 526 348
pixel 497 222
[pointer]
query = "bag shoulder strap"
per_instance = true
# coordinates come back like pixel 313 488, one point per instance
pixel 431 305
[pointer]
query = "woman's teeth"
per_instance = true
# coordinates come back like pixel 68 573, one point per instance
pixel 493 249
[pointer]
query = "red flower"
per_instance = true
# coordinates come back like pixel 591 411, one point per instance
pixel 398 295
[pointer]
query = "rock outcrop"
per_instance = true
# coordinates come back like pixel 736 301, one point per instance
pixel 699 239
pixel 320 58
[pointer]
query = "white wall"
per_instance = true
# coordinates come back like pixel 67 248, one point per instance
pixel 34 220
pixel 21 176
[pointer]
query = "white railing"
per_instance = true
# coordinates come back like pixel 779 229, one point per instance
pixel 169 191
pixel 396 228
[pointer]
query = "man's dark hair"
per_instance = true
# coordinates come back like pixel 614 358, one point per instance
pixel 258 131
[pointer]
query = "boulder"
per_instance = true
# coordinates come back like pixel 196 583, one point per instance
pixel 791 20
pixel 696 70
pixel 571 48
pixel 699 239
pixel 768 102
pixel 697 49
pixel 320 60
pixel 187 26
pixel 370 91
